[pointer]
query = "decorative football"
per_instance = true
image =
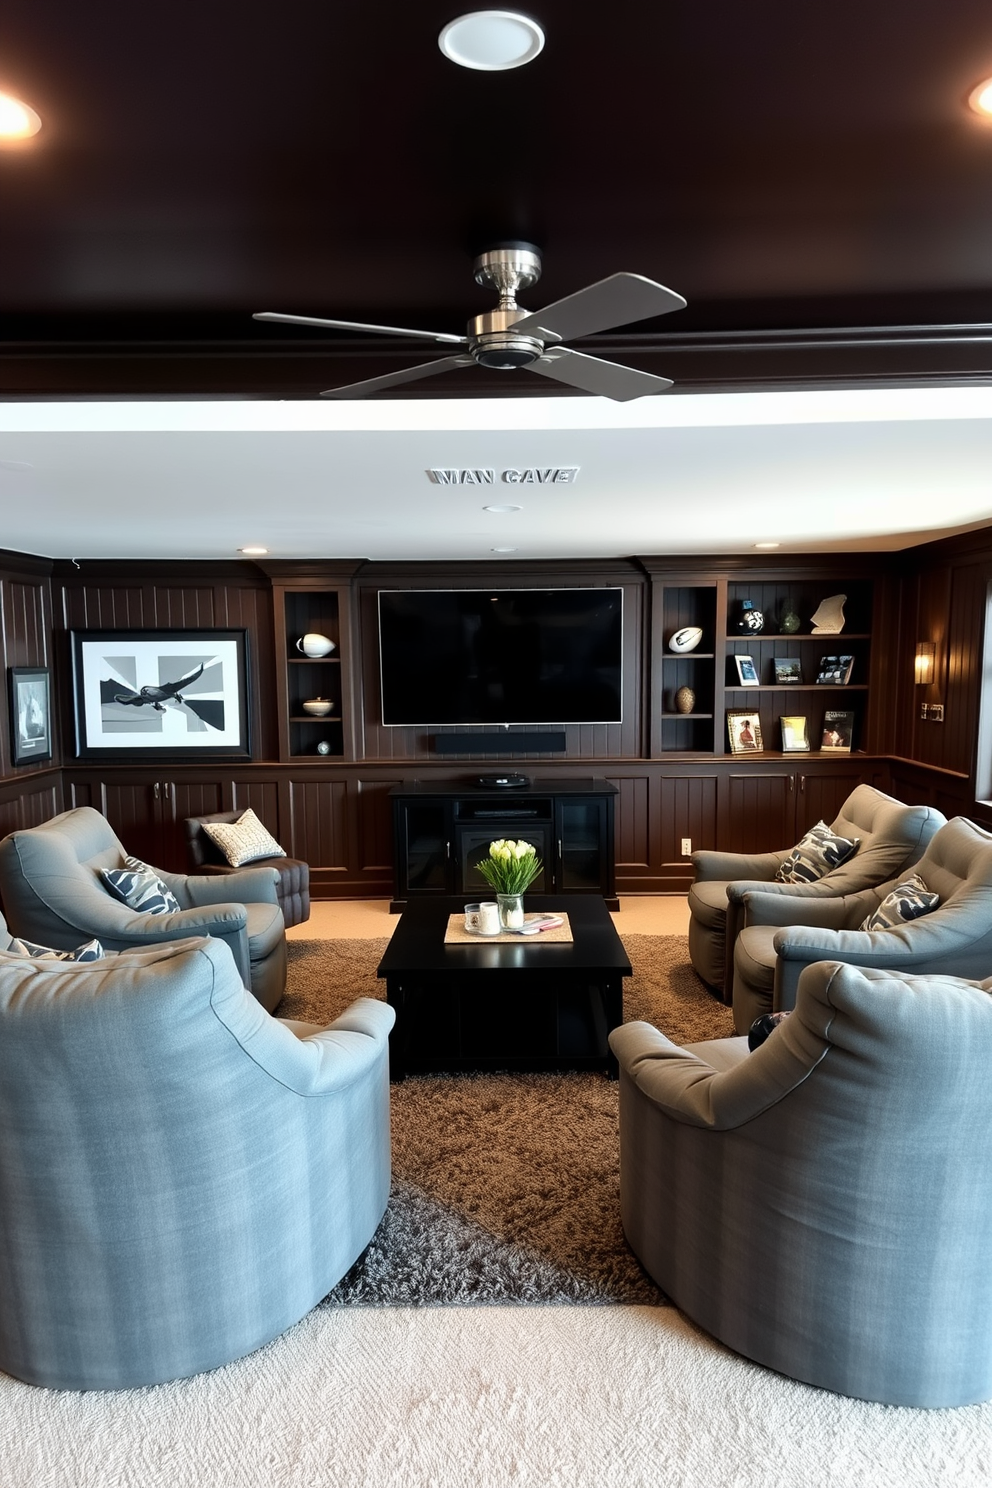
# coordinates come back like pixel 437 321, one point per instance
pixel 686 639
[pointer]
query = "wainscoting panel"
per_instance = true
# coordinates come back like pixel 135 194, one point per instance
pixel 319 815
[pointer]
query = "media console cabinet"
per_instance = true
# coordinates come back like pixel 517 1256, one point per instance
pixel 441 829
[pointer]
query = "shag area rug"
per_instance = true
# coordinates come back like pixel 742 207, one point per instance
pixel 506 1187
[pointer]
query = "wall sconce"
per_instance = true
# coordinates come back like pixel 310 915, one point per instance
pixel 926 661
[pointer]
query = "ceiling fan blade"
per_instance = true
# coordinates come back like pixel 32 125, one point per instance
pixel 357 325
pixel 594 375
pixel 615 301
pixel 392 379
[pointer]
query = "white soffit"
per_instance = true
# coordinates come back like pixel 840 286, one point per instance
pixel 700 473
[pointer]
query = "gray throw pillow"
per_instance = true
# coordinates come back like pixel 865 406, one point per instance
pixel 907 901
pixel 818 853
pixel 139 887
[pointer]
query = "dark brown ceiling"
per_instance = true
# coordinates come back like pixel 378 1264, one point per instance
pixel 806 174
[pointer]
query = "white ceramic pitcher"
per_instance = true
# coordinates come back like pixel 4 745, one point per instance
pixel 314 644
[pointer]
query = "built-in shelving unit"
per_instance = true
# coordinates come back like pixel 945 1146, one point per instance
pixel 301 609
pixel 710 671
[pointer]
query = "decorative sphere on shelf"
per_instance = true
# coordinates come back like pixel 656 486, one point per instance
pixel 789 622
pixel 686 639
pixel 323 747
pixel 751 620
pixel 685 700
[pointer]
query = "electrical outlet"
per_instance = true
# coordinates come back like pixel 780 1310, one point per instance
pixel 686 846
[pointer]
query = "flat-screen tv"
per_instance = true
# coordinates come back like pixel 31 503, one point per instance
pixel 464 656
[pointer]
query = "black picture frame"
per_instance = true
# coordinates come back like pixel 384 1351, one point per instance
pixel 788 670
pixel 131 702
pixel 30 715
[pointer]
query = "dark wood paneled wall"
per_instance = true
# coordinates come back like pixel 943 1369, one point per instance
pixel 335 813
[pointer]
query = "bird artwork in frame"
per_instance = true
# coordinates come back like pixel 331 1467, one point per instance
pixel 155 694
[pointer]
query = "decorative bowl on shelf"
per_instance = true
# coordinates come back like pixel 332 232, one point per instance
pixel 317 707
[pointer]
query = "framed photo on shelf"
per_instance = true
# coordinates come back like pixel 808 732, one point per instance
pixel 838 731
pixel 744 731
pixel 835 670
pixel 30 715
pixel 795 734
pixel 746 671
pixel 161 694
pixel 787 669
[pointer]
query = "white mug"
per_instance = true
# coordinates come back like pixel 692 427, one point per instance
pixel 482 919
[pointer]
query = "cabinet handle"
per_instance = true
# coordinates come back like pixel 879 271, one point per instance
pixel 802 782
pixel 447 849
pixel 792 783
pixel 156 792
pixel 559 849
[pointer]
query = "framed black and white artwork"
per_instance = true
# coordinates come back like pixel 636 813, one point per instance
pixel 156 694
pixel 30 715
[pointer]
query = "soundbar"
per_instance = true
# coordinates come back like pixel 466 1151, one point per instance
pixel 501 743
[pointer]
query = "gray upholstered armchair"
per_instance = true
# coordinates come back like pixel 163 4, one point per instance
pixel 823 1205
pixel 183 1176
pixel 892 836
pixel 52 893
pixel 782 936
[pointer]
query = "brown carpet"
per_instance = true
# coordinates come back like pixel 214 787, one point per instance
pixel 505 1187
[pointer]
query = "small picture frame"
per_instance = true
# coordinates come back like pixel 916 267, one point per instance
pixel 795 734
pixel 747 672
pixel 744 732
pixel 787 669
pixel 30 715
pixel 834 671
pixel 838 731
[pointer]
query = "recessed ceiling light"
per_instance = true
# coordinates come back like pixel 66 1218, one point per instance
pixel 502 550
pixel 253 551
pixel 17 120
pixel 768 545
pixel 502 508
pixel 980 99
pixel 491 40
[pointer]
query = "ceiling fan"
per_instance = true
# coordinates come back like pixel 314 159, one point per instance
pixel 512 337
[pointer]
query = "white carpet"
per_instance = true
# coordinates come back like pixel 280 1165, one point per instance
pixel 526 1397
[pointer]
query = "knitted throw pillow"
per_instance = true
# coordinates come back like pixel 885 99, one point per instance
pixel 244 840
pixel 139 887
pixel 818 853
pixel 907 901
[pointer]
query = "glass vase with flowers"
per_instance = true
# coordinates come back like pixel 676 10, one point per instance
pixel 510 869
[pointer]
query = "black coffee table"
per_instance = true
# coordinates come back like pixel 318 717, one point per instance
pixel 529 1005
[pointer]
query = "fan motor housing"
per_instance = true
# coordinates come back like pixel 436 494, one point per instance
pixel 494 343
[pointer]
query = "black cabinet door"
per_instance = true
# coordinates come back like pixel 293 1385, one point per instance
pixel 423 847
pixel 584 832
